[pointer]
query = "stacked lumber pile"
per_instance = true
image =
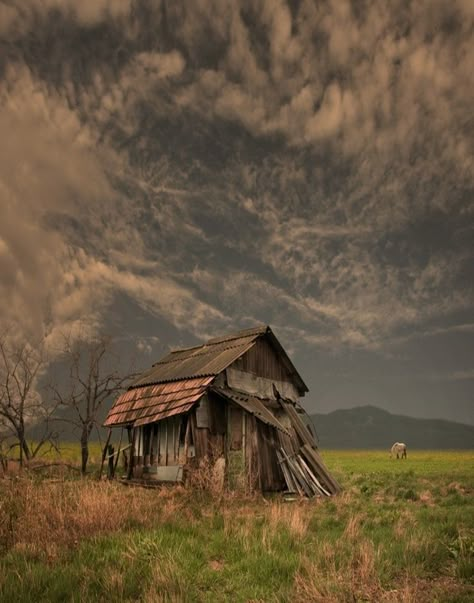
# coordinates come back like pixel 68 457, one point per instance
pixel 302 466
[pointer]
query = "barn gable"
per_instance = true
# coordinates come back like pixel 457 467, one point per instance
pixel 262 359
pixel 266 358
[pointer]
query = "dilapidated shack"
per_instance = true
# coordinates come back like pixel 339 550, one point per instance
pixel 233 402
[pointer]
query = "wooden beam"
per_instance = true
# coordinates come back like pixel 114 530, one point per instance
pixel 118 453
pixel 104 453
pixel 132 454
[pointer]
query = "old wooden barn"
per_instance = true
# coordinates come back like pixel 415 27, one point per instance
pixel 232 402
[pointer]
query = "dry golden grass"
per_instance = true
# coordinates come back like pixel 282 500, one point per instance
pixel 358 580
pixel 352 531
pixel 239 528
pixel 44 517
pixel 208 475
pixel 295 518
pixel 411 590
pixel 404 524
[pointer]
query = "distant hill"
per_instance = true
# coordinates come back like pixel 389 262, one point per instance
pixel 372 427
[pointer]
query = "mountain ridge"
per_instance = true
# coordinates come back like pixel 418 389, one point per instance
pixel 370 427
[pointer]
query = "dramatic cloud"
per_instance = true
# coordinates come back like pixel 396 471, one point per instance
pixel 308 164
pixel 20 16
pixel 46 165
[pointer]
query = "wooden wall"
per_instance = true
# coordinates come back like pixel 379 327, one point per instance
pixel 216 429
pixel 271 476
pixel 208 423
pixel 162 443
pixel 264 361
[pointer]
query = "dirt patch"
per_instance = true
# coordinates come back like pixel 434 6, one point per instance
pixel 456 486
pixel 426 498
pixel 216 565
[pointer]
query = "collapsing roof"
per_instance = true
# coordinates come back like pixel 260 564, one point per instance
pixel 179 379
pixel 234 395
pixel 253 405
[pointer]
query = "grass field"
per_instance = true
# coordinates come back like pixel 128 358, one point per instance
pixel 401 531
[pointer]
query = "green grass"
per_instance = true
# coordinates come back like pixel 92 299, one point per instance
pixel 70 452
pixel 401 531
pixel 423 463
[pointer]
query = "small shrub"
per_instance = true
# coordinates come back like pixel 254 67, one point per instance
pixel 295 518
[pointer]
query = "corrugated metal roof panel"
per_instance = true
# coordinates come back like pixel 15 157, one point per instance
pixel 204 361
pixel 206 348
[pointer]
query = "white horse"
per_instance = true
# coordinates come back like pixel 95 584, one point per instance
pixel 399 449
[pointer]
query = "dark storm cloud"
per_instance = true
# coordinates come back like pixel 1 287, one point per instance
pixel 305 164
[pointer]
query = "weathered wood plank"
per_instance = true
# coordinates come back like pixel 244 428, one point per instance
pixel 298 424
pixel 317 482
pixel 235 427
pixel 118 452
pixel 286 473
pixel 132 454
pixel 320 469
pixel 202 413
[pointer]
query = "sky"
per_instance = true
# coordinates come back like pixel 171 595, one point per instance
pixel 172 171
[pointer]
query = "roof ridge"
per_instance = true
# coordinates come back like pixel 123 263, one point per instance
pixel 260 330
pixel 203 353
pixel 191 347
pixel 215 340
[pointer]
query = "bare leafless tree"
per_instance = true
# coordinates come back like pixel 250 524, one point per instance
pixel 94 378
pixel 22 404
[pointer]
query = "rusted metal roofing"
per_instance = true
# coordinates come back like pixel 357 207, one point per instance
pixel 253 405
pixel 206 360
pixel 151 403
